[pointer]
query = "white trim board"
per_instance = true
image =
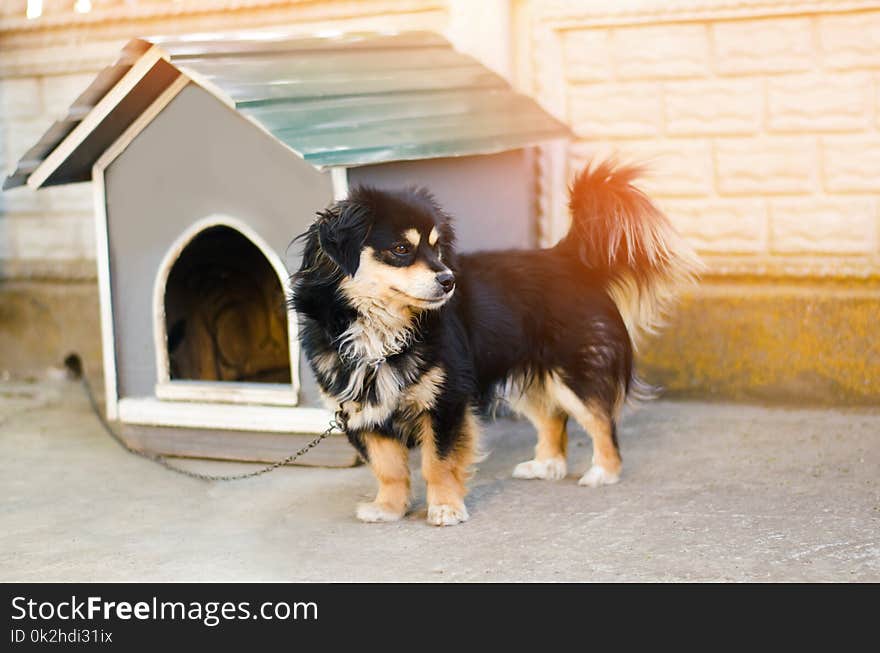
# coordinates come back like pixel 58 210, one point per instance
pixel 339 181
pixel 230 417
pixel 94 117
pixel 102 260
pixel 160 336
pixel 230 392
pixel 140 123
pixel 552 179
pixel 102 240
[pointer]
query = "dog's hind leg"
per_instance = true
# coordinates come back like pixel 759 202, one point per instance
pixel 606 463
pixel 389 461
pixel 598 420
pixel 550 421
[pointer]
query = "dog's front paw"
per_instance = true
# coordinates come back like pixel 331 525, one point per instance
pixel 444 514
pixel 550 469
pixel 597 476
pixel 374 512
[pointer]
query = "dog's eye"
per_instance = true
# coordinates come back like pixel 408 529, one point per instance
pixel 400 249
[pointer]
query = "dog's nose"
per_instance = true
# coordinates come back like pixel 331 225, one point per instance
pixel 446 280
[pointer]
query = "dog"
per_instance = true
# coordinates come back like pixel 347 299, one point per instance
pixel 412 342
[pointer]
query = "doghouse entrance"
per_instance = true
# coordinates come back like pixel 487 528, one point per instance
pixel 226 323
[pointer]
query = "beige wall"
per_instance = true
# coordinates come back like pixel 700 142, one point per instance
pixel 761 119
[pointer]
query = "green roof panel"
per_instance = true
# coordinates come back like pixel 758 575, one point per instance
pixel 355 99
pixel 335 99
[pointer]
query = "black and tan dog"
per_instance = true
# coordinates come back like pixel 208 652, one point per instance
pixel 411 342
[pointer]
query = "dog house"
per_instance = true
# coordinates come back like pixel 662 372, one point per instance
pixel 209 153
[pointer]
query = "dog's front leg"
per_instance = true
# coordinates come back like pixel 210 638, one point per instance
pixel 388 459
pixel 446 470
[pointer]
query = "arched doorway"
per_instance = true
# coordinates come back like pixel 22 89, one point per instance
pixel 224 330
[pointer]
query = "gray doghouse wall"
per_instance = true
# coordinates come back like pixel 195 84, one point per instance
pixel 197 158
pixel 490 198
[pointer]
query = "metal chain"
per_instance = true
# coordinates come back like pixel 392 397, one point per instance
pixel 336 424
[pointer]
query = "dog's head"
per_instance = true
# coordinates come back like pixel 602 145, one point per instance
pixel 394 247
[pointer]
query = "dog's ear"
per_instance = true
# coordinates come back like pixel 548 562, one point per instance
pixel 342 231
pixel 447 242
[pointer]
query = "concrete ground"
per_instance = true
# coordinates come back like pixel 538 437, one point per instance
pixel 711 492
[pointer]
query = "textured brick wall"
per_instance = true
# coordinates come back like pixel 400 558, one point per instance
pixel 761 120
pixel 39 230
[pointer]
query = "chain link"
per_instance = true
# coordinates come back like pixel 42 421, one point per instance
pixel 336 424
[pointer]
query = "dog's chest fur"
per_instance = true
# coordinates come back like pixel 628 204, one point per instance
pixel 376 369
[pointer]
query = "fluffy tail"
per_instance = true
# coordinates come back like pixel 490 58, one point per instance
pixel 619 234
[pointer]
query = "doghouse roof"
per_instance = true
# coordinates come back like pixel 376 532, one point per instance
pixel 340 100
